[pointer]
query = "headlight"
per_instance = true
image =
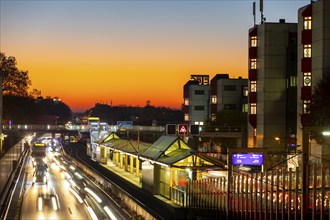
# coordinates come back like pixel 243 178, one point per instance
pixel 39 203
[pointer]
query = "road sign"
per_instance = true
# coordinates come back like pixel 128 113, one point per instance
pixel 125 124
pixel 183 129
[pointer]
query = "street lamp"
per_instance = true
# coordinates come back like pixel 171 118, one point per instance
pixel 326 133
pixel 278 140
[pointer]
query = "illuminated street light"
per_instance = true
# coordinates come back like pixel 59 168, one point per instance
pixel 326 133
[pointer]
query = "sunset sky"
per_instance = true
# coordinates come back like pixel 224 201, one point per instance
pixel 128 52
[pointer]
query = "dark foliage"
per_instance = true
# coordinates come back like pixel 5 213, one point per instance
pixel 15 82
pixel 26 110
pixel 319 107
pixel 148 115
pixel 20 110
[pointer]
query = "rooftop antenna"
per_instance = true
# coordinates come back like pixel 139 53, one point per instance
pixel 254 13
pixel 262 11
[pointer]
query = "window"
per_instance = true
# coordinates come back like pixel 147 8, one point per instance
pixel 245 107
pixel 229 88
pixel 307 50
pixel 213 99
pixel 307 23
pixel 245 91
pixel 199 92
pixel 213 117
pixel 253 41
pixel 253 108
pixel 229 106
pixel 186 117
pixel 307 79
pixel 293 81
pixel 199 108
pixel 253 64
pixel 253 85
pixel 305 105
pixel 186 101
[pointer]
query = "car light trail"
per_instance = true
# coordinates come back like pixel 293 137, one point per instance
pixel 54 203
pixel 92 213
pixel 93 194
pixel 109 213
pixel 39 204
pixel 76 195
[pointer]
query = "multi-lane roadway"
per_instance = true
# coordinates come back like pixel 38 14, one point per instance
pixel 68 194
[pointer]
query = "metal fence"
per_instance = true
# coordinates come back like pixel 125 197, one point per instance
pixel 273 194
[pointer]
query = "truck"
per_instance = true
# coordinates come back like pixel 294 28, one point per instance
pixel 38 153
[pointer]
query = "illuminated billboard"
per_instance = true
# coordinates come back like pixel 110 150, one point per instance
pixel 247 159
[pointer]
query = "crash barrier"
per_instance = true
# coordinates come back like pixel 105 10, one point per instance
pixel 109 186
pixel 9 167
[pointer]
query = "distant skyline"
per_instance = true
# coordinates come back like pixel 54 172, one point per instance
pixel 128 52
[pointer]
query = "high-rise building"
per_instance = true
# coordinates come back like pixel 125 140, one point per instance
pixel 272 84
pixel 313 54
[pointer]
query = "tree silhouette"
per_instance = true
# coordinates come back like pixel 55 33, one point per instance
pixel 15 82
pixel 319 107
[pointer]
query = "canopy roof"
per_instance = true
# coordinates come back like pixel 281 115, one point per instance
pixel 127 146
pixel 169 146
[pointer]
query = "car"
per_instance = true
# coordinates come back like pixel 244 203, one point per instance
pixel 40 175
pixel 48 199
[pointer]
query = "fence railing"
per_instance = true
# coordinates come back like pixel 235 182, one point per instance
pixel 273 194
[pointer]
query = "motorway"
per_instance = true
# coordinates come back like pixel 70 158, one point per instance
pixel 77 197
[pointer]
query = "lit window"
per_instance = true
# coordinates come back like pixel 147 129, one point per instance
pixel 245 107
pixel 307 79
pixel 306 103
pixel 186 117
pixel 307 23
pixel 293 81
pixel 201 123
pixel 186 101
pixel 253 108
pixel 245 91
pixel 253 85
pixel 213 117
pixel 213 99
pixel 253 63
pixel 307 50
pixel 254 41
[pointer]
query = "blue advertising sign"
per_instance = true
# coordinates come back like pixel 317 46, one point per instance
pixel 125 124
pixel 247 159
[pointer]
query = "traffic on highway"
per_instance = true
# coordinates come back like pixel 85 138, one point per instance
pixel 57 189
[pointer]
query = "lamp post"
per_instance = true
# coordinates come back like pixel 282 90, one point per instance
pixel 278 141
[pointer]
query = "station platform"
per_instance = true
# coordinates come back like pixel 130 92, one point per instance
pixel 132 178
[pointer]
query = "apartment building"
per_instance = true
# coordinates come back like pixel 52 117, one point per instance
pixel 203 99
pixel 272 85
pixel 313 58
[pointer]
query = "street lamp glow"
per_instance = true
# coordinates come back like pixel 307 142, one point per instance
pixel 326 133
